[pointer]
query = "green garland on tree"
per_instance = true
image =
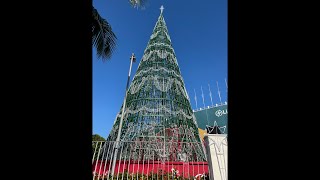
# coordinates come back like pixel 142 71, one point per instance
pixel 158 109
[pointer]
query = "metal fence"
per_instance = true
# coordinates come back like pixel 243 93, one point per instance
pixel 144 160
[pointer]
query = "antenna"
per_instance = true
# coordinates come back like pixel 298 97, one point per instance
pixel 204 106
pixel 225 79
pixel 195 98
pixel 219 93
pixel 210 94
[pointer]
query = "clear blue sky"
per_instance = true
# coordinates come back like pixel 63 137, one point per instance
pixel 198 31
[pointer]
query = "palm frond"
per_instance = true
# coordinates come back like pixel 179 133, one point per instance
pixel 103 38
pixel 138 3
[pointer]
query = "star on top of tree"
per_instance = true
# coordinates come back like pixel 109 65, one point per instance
pixel 161 8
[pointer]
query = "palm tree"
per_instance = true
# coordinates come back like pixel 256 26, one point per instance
pixel 103 38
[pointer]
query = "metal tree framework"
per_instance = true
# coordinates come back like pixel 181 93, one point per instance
pixel 158 113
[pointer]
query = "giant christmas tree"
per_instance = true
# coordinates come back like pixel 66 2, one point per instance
pixel 158 115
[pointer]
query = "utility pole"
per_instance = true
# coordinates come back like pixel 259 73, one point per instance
pixel 132 59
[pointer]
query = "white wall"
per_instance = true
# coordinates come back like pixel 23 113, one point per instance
pixel 217 154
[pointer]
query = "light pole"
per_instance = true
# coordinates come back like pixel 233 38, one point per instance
pixel 132 59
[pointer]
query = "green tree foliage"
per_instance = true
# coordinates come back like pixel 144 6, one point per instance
pixel 97 137
pixel 103 38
